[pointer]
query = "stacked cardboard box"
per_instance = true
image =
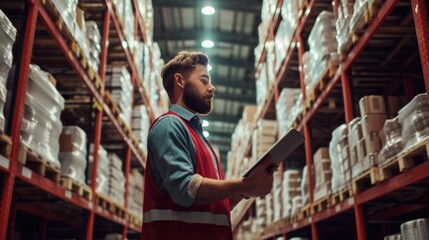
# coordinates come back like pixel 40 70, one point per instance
pixel 116 180
pixel 277 196
pixel 135 193
pixel 41 126
pixel 304 186
pixel 414 120
pixel 120 86
pixel 323 172
pixel 291 190
pixel 140 125
pixel 94 48
pixel 373 115
pixel 261 212
pixel 269 202
pixel 101 182
pixel 72 154
pixel 285 104
pixel 7 39
pixel 340 159
pixel 342 23
pixel 263 137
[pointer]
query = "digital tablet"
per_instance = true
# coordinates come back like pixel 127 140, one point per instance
pixel 281 150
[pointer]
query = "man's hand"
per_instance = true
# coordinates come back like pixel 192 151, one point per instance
pixel 259 182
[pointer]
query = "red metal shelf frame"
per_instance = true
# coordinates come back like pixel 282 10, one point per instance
pixel 402 180
pixel 12 169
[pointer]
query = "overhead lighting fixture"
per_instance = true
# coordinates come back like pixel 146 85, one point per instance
pixel 208 10
pixel 207 44
pixel 205 123
pixel 206 134
pixel 209 67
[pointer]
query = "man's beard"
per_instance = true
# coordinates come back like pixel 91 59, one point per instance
pixel 195 102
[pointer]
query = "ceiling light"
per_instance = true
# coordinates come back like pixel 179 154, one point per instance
pixel 205 123
pixel 208 10
pixel 206 134
pixel 209 67
pixel 207 44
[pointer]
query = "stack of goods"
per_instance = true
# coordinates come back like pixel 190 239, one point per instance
pixel 323 49
pixel 342 23
pixel 135 193
pixel 68 13
pixel 394 104
pixel 295 111
pixel 359 9
pixel 128 24
pixel 287 99
pixel 340 159
pixel 120 86
pixel 261 212
pixel 140 125
pixel 414 118
pixel 7 39
pixel 261 86
pixel 291 191
pixel 139 57
pixel 73 153
pixel 417 229
pixel 146 13
pixel 101 182
pixel 304 186
pixel 373 115
pixel 391 140
pixel 113 236
pixel 41 126
pixel 355 136
pixel 80 33
pixel 269 204
pixel 323 172
pixel 396 236
pixel 270 63
pixel 116 179
pixel 263 137
pixel 94 48
pixel 277 196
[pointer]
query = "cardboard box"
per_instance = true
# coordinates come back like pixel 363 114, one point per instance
pixel 321 153
pixel 372 105
pixel 66 143
pixel 361 151
pixel 80 18
pixel 355 134
pixel 373 123
pixel 249 112
pixel 372 143
pixel 394 104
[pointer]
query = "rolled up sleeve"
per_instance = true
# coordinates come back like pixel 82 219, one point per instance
pixel 170 154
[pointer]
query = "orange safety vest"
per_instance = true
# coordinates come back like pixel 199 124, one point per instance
pixel 165 220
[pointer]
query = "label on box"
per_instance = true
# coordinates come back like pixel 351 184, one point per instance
pixel 26 172
pixel 68 194
pixel 4 162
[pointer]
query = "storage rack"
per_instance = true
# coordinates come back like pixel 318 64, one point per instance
pixel 40 24
pixel 352 212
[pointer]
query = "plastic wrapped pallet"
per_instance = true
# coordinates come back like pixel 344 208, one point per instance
pixel 342 23
pixel 261 212
pixel 287 99
pixel 140 125
pixel 7 39
pixel 391 138
pixel 277 196
pixel 94 39
pixel 128 24
pixel 417 229
pixel 102 184
pixel 296 205
pixel 67 10
pixel 295 111
pixel 323 173
pixel 264 137
pixel 340 159
pixel 73 153
pixel 290 189
pixel 41 125
pixel 119 84
pixel 116 179
pixel 304 186
pixel 414 118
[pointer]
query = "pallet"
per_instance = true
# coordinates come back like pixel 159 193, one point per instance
pixel 306 211
pixel 110 205
pixel 320 85
pixel 38 164
pixel 320 204
pixel 77 187
pixel 297 217
pixel 340 196
pixel 405 160
pixel 5 145
pixel 365 180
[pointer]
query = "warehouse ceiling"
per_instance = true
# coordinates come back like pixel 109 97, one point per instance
pixel 233 28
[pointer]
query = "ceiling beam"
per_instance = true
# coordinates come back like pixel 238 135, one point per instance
pixel 217 117
pixel 200 35
pixel 223 61
pixel 237 5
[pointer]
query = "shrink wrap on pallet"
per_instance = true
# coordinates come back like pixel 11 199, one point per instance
pixel 73 153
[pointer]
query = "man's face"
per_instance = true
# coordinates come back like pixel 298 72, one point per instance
pixel 198 91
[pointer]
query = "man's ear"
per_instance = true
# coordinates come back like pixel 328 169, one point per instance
pixel 179 80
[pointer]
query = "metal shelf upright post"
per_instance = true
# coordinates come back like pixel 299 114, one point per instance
pixel 20 89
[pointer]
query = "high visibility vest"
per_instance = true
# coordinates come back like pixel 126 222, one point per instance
pixel 165 220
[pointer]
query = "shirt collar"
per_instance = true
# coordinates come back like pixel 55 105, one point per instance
pixel 184 113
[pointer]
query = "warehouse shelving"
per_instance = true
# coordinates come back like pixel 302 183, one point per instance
pixel 354 209
pixel 21 182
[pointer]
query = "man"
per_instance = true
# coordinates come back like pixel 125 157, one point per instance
pixel 185 195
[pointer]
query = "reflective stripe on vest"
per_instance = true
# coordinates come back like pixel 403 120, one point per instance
pixel 188 217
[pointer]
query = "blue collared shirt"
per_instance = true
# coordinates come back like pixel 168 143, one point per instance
pixel 173 154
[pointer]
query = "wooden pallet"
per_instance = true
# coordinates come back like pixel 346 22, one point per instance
pixel 297 217
pixel 306 211
pixel 110 205
pixel 365 180
pixel 320 204
pixel 320 85
pixel 341 196
pixel 77 187
pixel 405 160
pixel 38 164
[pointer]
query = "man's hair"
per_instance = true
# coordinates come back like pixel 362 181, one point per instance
pixel 184 63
